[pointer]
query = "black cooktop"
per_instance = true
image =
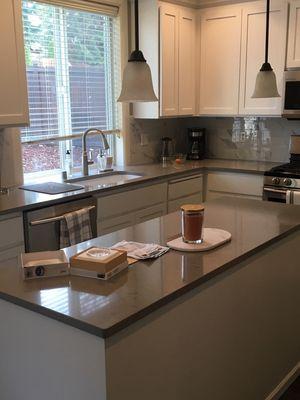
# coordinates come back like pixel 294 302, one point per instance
pixel 288 170
pixel 285 170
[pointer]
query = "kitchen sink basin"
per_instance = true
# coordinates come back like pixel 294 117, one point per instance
pixel 105 179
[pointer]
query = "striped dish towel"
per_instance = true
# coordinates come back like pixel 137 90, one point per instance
pixel 75 227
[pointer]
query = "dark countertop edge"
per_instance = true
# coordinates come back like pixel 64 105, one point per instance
pixel 107 332
pixel 139 181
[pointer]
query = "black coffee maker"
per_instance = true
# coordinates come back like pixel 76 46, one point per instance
pixel 196 145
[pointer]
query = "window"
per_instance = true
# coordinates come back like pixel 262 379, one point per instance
pixel 73 78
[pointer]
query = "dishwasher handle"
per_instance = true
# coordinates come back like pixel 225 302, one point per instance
pixel 53 219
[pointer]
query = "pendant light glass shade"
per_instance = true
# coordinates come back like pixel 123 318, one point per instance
pixel 265 85
pixel 137 83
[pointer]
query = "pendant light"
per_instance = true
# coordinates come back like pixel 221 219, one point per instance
pixel 137 83
pixel 265 85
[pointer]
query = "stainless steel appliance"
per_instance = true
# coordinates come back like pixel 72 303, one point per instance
pixel 196 144
pixel 292 95
pixel 281 183
pixel 42 226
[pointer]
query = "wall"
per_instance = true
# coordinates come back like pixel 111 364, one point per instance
pixel 252 138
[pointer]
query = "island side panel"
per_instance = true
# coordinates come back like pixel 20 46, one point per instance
pixel 43 359
pixel 236 337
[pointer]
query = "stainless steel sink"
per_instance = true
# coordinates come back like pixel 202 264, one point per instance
pixel 105 179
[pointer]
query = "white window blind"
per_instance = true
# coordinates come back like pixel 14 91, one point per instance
pixel 73 69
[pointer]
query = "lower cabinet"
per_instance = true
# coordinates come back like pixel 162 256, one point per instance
pixel 233 184
pixel 183 191
pixel 11 239
pixel 123 209
pixel 120 210
pixel 11 257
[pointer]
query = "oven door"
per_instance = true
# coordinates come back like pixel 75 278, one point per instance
pixel 277 195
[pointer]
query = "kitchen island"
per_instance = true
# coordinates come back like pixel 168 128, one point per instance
pixel 220 325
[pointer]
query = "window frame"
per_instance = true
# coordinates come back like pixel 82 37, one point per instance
pixel 118 115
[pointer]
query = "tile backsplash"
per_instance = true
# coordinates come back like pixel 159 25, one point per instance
pixel 248 138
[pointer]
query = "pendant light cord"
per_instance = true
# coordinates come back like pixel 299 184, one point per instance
pixel 136 55
pixel 267 32
pixel 136 23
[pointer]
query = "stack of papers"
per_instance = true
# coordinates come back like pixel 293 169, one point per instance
pixel 141 251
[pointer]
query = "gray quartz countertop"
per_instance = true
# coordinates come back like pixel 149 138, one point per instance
pixel 20 200
pixel 103 308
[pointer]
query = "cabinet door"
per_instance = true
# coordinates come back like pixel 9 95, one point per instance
pixel 234 184
pixel 174 205
pixel 187 62
pixel 150 213
pixel 11 257
pixel 252 54
pixel 169 15
pixel 13 87
pixel 220 60
pixel 293 53
pixel 115 224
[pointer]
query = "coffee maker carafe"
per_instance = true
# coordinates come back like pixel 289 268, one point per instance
pixel 196 137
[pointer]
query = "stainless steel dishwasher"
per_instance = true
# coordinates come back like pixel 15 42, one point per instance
pixel 42 226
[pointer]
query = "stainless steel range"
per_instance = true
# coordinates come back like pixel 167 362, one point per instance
pixel 282 183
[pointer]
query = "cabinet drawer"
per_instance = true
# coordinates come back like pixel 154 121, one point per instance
pixel 174 205
pixel 131 200
pixel 184 186
pixel 115 224
pixel 150 213
pixel 11 232
pixel 11 257
pixel 237 183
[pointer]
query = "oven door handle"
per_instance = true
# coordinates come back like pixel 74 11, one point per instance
pixel 276 190
pixel 287 193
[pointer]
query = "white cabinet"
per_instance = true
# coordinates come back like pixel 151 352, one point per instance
pixel 220 60
pixel 169 59
pixel 187 62
pixel 117 211
pixel 293 52
pixel 185 190
pixel 151 212
pixel 124 209
pixel 13 87
pixel 168 40
pixel 234 184
pixel 11 239
pixel 11 257
pixel 253 54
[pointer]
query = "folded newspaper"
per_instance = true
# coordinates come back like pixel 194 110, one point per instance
pixel 141 251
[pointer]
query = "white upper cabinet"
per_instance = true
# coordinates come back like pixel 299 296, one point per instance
pixel 220 60
pixel 169 55
pixel 187 62
pixel 253 54
pixel 177 60
pixel 168 41
pixel 13 87
pixel 293 53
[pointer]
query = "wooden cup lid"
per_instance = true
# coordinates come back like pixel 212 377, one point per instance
pixel 192 207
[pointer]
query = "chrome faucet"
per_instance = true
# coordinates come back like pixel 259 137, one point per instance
pixel 104 146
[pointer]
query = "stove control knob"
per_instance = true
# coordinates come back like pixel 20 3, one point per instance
pixel 287 182
pixel 276 181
